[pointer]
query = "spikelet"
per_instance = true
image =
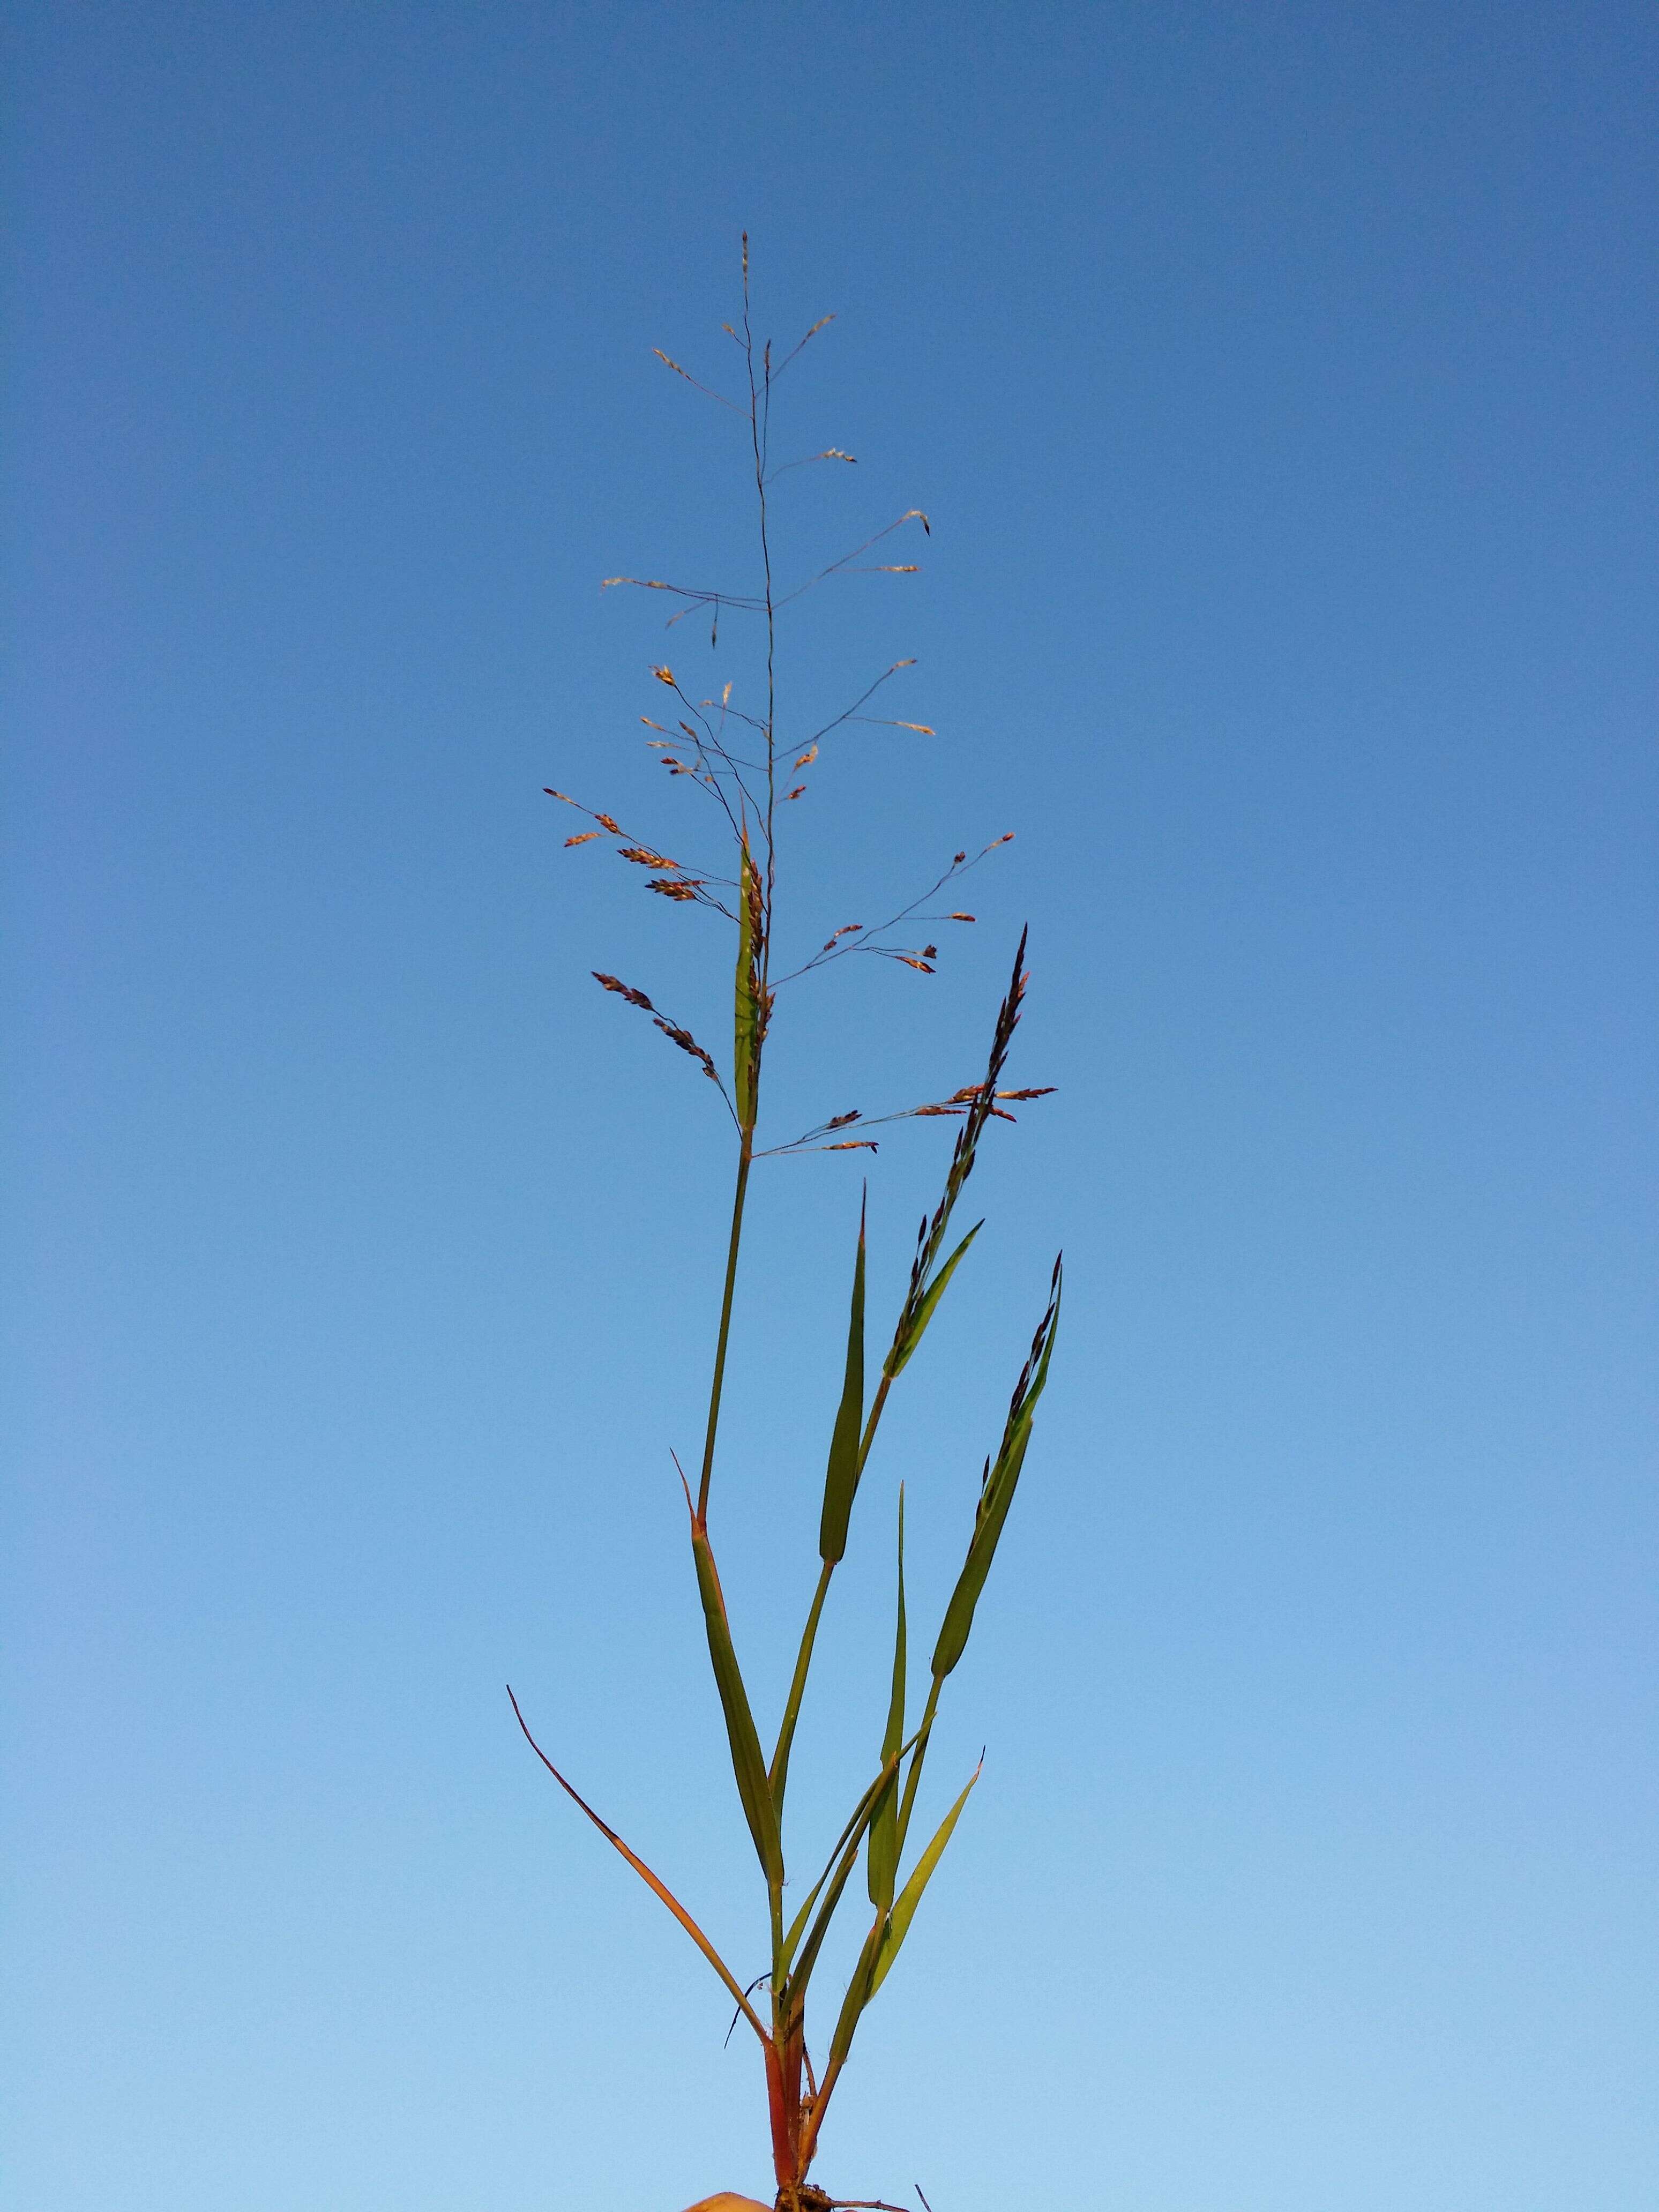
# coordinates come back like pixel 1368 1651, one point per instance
pixel 624 990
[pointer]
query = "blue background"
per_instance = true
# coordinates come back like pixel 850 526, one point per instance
pixel 1279 381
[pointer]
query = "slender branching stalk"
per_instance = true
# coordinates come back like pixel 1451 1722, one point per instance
pixel 736 760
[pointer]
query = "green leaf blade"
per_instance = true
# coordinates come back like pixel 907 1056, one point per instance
pixel 748 1762
pixel 898 1920
pixel 841 1479
pixel 842 1861
pixel 913 1323
pixel 997 1492
pixel 883 1827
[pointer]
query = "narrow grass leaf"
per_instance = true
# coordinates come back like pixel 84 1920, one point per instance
pixel 997 1490
pixel 911 1332
pixel 842 1860
pixel 898 1921
pixel 856 1820
pixel 884 1826
pixel 659 1887
pixel 859 1993
pixel 841 1479
pixel 748 1763
pixel 778 1774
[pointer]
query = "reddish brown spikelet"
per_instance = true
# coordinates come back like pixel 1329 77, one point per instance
pixel 796 793
pixel 930 952
pixel 664 676
pixel 920 728
pixel 911 960
pixel 961 917
pixel 855 1144
pixel 643 857
pixel 605 822
pixel 1042 1090
pixel 673 887
pixel 957 859
pixel 686 1043
pixel 841 1120
pixel 624 990
pixel 586 838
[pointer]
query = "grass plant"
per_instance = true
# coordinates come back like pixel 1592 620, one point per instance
pixel 743 767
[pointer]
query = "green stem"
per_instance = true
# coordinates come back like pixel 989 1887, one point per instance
pixel 775 1901
pixel 779 1776
pixel 719 1384
pixel 874 1421
pixel 779 1773
pixel 916 1758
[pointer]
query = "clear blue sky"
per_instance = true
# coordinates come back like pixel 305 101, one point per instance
pixel 1280 382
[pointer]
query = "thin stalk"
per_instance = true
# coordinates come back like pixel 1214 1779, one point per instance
pixel 744 1153
pixel 814 2119
pixel 760 421
pixel 780 1979
pixel 874 1421
pixel 746 1145
pixel 779 1776
pixel 916 1757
